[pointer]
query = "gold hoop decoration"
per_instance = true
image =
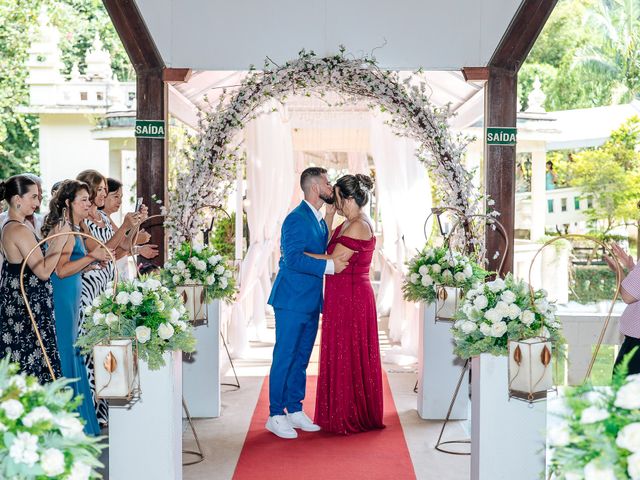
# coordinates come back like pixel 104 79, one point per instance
pixel 618 273
pixel 24 293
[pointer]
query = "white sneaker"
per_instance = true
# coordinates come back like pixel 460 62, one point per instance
pixel 280 426
pixel 302 421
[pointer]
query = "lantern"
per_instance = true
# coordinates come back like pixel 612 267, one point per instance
pixel 194 301
pixel 530 373
pixel 448 300
pixel 115 368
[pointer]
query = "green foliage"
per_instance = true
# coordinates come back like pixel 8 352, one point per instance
pixel 223 238
pixel 592 284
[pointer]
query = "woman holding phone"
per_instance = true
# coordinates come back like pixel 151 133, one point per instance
pixel 70 205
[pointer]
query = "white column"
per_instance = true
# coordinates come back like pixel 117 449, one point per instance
pixel 439 369
pixel 145 437
pixel 538 192
pixel 201 369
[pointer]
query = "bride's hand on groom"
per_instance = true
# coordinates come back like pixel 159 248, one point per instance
pixel 340 262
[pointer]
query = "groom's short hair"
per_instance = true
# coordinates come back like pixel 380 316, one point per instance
pixel 308 175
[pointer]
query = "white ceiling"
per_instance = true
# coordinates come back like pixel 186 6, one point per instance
pixel 232 35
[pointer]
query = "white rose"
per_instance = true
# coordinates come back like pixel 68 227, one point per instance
pixel 502 308
pixel 211 280
pixel 213 260
pixel 143 334
pixel 165 331
pixel 415 278
pixel 459 277
pixel 628 396
pixel 493 315
pixel 481 302
pixel 542 305
pixel 110 319
pixel 427 280
pixel 593 415
pixel 594 471
pixel 200 265
pixel 223 283
pixel 447 274
pixel 52 462
pixel 174 315
pixel 122 298
pixel 498 329
pixel 24 449
pixel 182 325
pixel 496 285
pixel 528 317
pixel 19 381
pixel 182 309
pixel 152 284
pixel 468 271
pixel 197 246
pixel 508 296
pixel 13 409
pixel 559 435
pixel 633 466
pixel 79 471
pixel 176 279
pixel 423 270
pixel 69 425
pixel 435 268
pixel 38 414
pixel 108 292
pixel 228 274
pixel 468 327
pixel 513 311
pixel 475 314
pixel 96 301
pixel 181 265
pixel 485 329
pixel 219 270
pixel 629 437
pixel 161 306
pixel 98 317
pixel 136 298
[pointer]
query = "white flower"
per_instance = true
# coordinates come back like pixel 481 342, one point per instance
pixel 176 279
pixel 182 325
pixel 493 315
pixel 528 317
pixel 19 381
pixel 481 302
pixel 629 438
pixel 502 308
pixel 228 274
pixel 143 334
pixel 122 298
pixel 79 471
pixel 633 466
pixel 435 268
pixel 181 265
pixel 498 329
pixel 594 471
pixel 174 315
pixel 52 462
pixel 110 318
pixel 108 292
pixel 447 275
pixel 165 331
pixel 196 246
pixel 136 298
pixel 201 265
pixel 415 278
pixel 96 301
pixel 468 271
pixel 485 328
pixel 219 270
pixel 152 284
pixel 423 270
pixel 468 327
pixel 69 425
pixel 459 277
pixel 24 449
pixel 13 409
pixel 508 296
pixel 541 304
pixel 98 317
pixel 496 285
pixel 213 260
pixel 38 414
pixel 593 414
pixel 427 280
pixel 223 283
pixel 211 280
pixel 160 306
pixel 513 311
pixel 559 435
pixel 628 396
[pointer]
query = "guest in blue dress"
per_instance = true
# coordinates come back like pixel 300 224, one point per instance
pixel 71 204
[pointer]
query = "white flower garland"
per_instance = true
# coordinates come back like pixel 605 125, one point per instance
pixel 213 157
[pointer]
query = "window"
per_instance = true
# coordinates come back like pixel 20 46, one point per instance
pixel 550 205
pixel 83 96
pixel 99 96
pixel 576 203
pixel 590 201
pixel 563 204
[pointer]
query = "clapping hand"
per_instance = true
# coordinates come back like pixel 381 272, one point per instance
pixel 143 236
pixel 148 251
pixel 101 254
pixel 623 257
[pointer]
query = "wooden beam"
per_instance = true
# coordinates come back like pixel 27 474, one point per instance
pixel 475 74
pixel 151 98
pixel 176 75
pixel 500 165
pixel 522 33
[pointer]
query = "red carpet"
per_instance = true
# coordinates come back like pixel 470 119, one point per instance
pixel 379 454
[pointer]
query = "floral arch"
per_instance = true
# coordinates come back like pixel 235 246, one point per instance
pixel 214 155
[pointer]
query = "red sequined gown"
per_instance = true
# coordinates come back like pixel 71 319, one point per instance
pixel 349 394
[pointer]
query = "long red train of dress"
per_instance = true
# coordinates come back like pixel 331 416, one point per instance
pixel 349 394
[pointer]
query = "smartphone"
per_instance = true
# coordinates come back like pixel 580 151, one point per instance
pixel 63 218
pixel 138 204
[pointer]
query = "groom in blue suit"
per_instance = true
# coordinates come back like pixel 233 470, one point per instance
pixel 296 297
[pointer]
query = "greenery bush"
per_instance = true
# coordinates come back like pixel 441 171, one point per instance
pixel 592 283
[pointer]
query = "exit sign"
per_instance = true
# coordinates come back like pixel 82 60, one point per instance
pixel 149 128
pixel 501 135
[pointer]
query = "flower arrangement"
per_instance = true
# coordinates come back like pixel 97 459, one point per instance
pixel 193 263
pixel 212 157
pixel 440 266
pixel 144 309
pixel 599 436
pixel 42 434
pixel 502 310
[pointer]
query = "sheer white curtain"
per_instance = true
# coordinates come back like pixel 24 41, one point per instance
pixel 270 183
pixel 404 193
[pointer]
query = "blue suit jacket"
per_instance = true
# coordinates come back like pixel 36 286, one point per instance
pixel 298 286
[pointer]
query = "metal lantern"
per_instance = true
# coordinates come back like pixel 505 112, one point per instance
pixel 448 300
pixel 116 368
pixel 195 303
pixel 530 372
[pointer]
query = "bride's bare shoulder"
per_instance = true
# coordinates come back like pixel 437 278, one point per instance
pixel 359 229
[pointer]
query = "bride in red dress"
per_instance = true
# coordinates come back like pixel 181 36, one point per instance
pixel 349 394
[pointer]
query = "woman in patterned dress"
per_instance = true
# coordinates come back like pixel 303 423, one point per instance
pixel 18 338
pixel 94 282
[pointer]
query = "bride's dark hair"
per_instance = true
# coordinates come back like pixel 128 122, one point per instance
pixel 67 192
pixel 357 187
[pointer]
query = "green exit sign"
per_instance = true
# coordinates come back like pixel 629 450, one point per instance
pixel 150 128
pixel 501 135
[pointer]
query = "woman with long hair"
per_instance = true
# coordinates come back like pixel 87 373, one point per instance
pixel 71 205
pixel 18 338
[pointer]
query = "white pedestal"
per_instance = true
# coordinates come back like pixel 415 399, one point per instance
pixel 145 437
pixel 201 369
pixel 507 436
pixel 439 369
